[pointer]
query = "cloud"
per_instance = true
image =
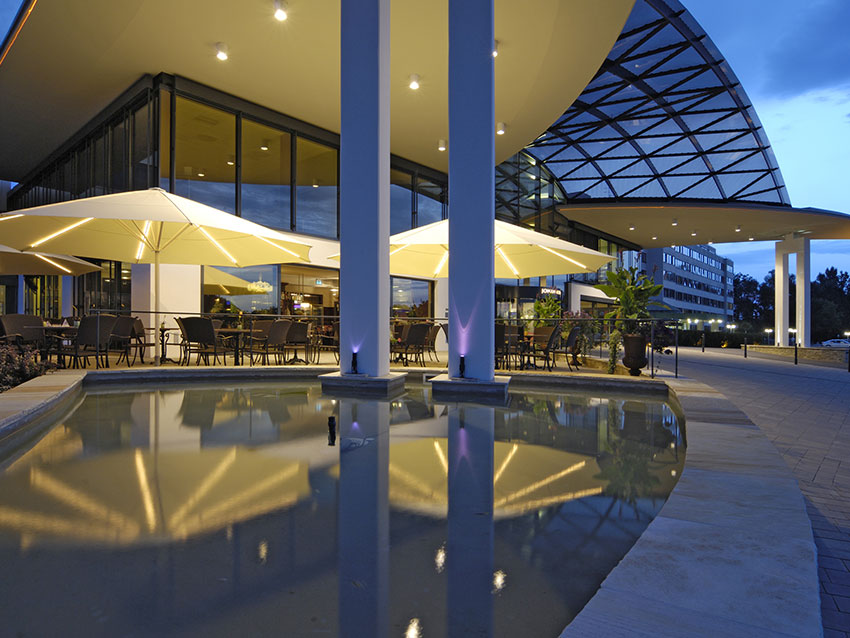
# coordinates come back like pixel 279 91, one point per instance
pixel 813 54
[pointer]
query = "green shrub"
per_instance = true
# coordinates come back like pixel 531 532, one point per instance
pixel 19 365
pixel 613 350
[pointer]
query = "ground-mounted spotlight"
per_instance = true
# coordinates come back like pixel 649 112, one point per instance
pixel 331 430
pixel 461 366
pixel 354 363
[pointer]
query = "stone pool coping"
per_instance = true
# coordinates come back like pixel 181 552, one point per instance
pixel 730 553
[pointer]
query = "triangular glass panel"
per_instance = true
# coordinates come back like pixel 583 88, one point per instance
pixel 678 186
pixel 666 36
pixel 568 154
pixel 680 147
pixel 642 63
pixel 636 126
pixel 661 83
pixel 768 197
pixel 710 141
pixel 616 109
pixel 637 169
pixel 651 188
pixel 625 184
pixel 698 120
pixel 720 161
pixel 723 101
pixel 689 57
pixel 733 121
pixel 609 167
pixel 605 132
pixel 704 80
pixel 754 162
pixel 735 141
pixel 582 171
pixel 758 185
pixel 602 81
pixel 734 182
pixel 703 188
pixel 664 164
pixel 696 165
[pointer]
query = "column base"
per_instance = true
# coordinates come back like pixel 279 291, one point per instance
pixel 362 385
pixel 461 390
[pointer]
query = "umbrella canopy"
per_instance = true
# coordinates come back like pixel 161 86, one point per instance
pixel 520 252
pixel 140 226
pixel 218 282
pixel 525 477
pixel 141 496
pixel 15 262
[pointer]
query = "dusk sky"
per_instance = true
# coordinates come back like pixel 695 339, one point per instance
pixel 793 59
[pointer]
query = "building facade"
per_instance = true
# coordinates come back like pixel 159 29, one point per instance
pixel 697 281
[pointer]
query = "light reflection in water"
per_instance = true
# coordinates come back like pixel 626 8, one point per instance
pixel 238 488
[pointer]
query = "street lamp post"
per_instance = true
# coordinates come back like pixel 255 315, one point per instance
pixel 793 331
pixel 769 331
pixel 847 334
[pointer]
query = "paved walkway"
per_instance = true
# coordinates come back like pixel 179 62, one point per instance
pixel 805 411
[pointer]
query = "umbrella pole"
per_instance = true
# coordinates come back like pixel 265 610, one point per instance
pixel 156 332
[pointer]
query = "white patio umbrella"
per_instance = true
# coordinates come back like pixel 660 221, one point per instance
pixel 149 226
pixel 520 252
pixel 15 262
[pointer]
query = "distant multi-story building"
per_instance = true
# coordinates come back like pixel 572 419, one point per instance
pixel 697 281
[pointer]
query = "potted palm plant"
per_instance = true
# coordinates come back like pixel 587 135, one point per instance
pixel 633 292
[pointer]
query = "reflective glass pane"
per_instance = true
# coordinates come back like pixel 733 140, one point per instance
pixel 251 290
pixel 401 201
pixel 118 160
pixel 205 143
pixel 411 297
pixel 164 139
pixel 266 175
pixel 316 201
pixel 143 162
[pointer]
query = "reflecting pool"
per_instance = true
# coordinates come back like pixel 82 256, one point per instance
pixel 271 509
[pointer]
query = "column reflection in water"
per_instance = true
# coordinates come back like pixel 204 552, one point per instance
pixel 469 551
pixel 363 542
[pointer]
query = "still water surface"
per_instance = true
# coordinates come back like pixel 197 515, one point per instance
pixel 204 510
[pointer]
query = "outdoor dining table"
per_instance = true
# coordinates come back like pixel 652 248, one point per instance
pixel 238 334
pixel 163 340
pixel 53 335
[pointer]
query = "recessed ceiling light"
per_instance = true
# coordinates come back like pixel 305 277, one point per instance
pixel 264 146
pixel 675 222
pixel 315 183
pixel 500 128
pixel 221 51
pixel 201 174
pixel 693 233
pixel 279 10
pixel 230 162
pixel 441 145
pixel 654 237
pixel 751 239
pixel 631 227
pixel 414 81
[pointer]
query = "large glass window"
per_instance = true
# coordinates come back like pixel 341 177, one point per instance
pixel 411 297
pixel 305 290
pixel 316 203
pixel 106 289
pixel 118 157
pixel 41 295
pixel 164 140
pixel 250 290
pixel 430 202
pixel 143 153
pixel 266 175
pixel 401 201
pixel 204 151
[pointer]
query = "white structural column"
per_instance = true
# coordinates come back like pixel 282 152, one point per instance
pixel 800 246
pixel 780 305
pixel 471 188
pixel 804 283
pixel 364 181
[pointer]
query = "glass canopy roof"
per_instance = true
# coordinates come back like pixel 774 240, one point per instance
pixel 664 118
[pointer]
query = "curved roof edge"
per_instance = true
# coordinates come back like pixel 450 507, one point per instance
pixel 665 118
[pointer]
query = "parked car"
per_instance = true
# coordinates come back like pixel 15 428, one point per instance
pixel 836 343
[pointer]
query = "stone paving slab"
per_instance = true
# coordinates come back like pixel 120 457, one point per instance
pixel 730 553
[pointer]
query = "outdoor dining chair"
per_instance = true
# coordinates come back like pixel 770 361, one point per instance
pixel 202 340
pixel 91 340
pixel 298 336
pixel 121 337
pixel 272 344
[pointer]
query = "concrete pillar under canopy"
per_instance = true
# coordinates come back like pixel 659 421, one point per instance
pixel 804 280
pixel 801 248
pixel 364 187
pixel 471 188
pixel 780 306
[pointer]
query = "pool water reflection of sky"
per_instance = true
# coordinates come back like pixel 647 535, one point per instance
pixel 207 510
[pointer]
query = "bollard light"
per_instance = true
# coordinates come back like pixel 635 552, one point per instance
pixel 462 366
pixel 354 363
